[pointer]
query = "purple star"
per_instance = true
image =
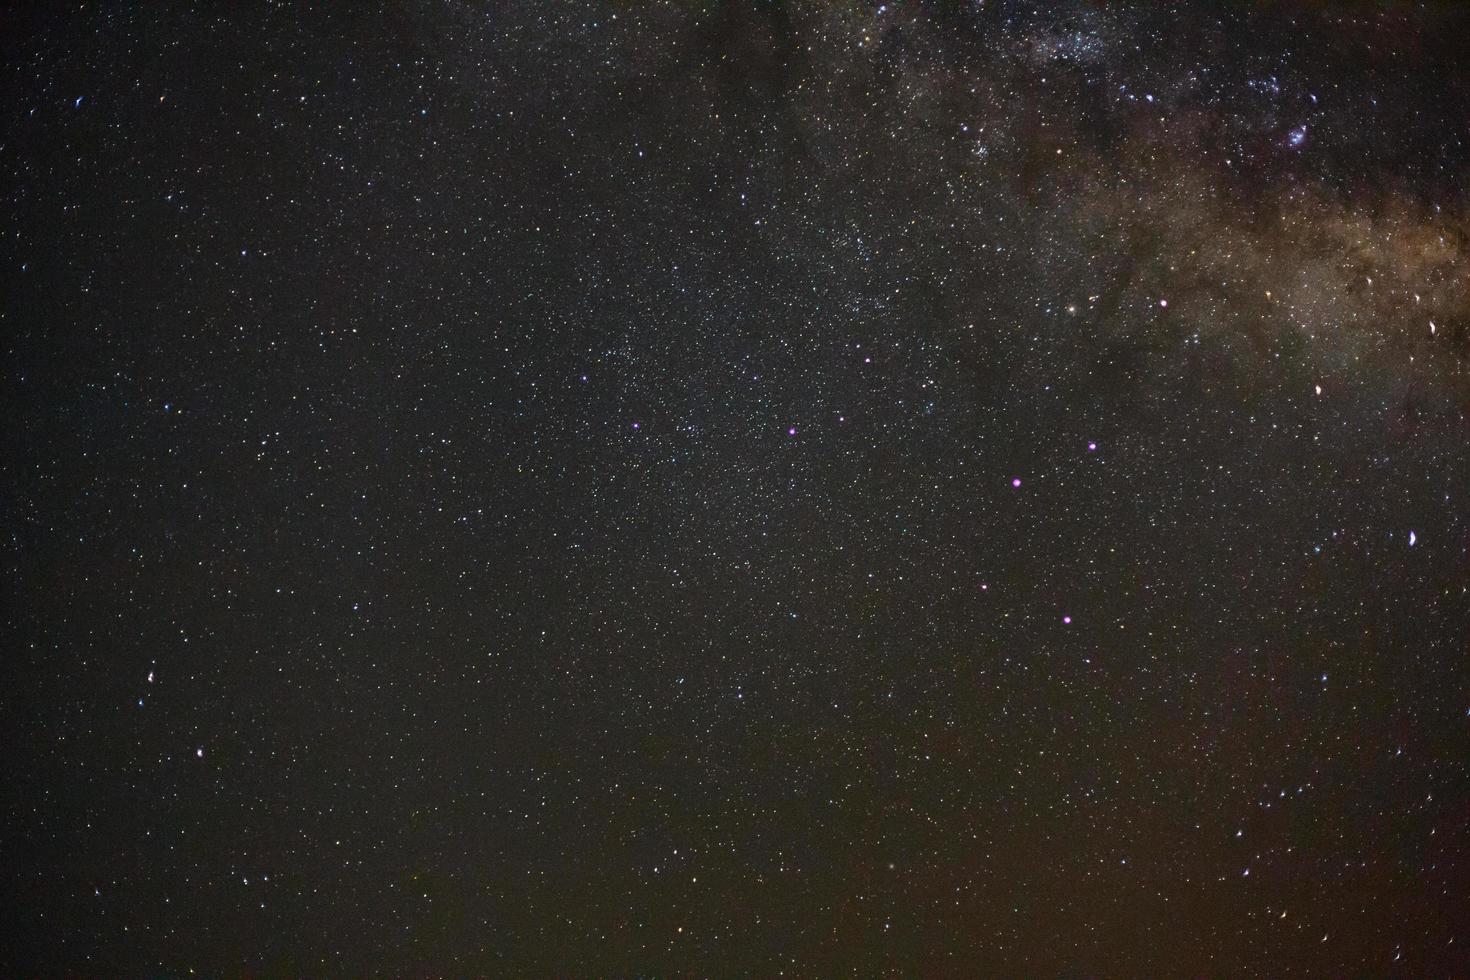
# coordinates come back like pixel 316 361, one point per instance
pixel 791 431
pixel 1092 447
pixel 1016 481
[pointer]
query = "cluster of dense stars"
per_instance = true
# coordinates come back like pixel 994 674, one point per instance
pixel 793 488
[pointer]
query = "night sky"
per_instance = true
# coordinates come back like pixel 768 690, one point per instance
pixel 570 489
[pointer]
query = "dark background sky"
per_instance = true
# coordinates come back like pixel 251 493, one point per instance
pixel 528 489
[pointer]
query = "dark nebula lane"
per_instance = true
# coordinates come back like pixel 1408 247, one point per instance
pixel 735 489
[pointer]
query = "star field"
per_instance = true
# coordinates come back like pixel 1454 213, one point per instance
pixel 791 488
